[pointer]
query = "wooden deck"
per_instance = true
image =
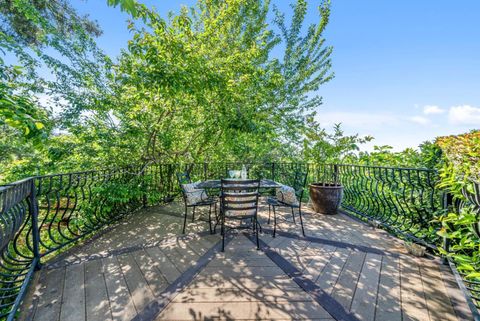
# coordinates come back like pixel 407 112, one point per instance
pixel 143 269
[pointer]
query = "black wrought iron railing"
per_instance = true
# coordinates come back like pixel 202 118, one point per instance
pixel 403 200
pixel 44 215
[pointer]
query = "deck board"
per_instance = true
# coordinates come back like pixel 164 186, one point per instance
pixel 138 287
pixel 50 295
pixel 363 270
pixel 414 306
pixel 346 284
pixel 364 301
pixel 388 305
pixel 73 293
pixel 97 305
pixel 121 303
pixel 163 263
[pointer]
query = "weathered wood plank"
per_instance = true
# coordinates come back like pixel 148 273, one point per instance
pixel 121 303
pixel 347 281
pixel 455 294
pixel 96 295
pixel 269 294
pixel 414 306
pixel 150 271
pixel 438 301
pixel 184 257
pixel 208 281
pixel 328 278
pixel 50 295
pixel 233 271
pixel 243 311
pixel 318 262
pixel 166 267
pixel 136 283
pixel 363 304
pixel 389 305
pixel 198 247
pixel 73 302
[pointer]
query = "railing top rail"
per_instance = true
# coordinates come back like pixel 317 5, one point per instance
pixel 420 169
pixel 106 171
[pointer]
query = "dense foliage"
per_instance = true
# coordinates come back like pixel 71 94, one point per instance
pixel 205 84
pixel 459 176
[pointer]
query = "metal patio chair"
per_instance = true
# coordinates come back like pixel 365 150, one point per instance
pixel 298 186
pixel 239 201
pixel 193 198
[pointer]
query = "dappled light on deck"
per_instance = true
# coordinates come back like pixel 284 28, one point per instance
pixel 145 268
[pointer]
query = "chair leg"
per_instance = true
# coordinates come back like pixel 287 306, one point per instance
pixel 293 215
pixel 193 215
pixel 269 207
pixel 185 220
pixel 210 218
pixel 274 221
pixel 223 233
pixel 301 220
pixel 256 233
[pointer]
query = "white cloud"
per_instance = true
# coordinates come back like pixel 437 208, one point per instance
pixel 464 115
pixel 420 120
pixel 432 109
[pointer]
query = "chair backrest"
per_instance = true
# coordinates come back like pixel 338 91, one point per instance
pixel 298 183
pixel 239 197
pixel 183 178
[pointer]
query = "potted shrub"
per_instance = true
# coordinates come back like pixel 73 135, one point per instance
pixel 326 197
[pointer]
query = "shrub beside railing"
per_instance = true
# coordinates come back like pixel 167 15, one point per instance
pixel 42 216
pixel 461 232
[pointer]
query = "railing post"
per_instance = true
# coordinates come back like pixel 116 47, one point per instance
pixel 447 203
pixel 335 173
pixel 33 209
pixel 144 187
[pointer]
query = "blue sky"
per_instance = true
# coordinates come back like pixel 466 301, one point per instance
pixel 406 71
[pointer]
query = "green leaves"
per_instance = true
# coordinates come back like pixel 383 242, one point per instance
pixel 129 6
pixel 201 85
pixel 20 113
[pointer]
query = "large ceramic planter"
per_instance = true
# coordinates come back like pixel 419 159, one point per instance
pixel 326 197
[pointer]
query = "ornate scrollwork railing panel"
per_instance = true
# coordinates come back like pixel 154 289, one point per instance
pixel 403 200
pixel 17 247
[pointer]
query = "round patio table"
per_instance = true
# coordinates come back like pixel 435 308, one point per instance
pixel 216 183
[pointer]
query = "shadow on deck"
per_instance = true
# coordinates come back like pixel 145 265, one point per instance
pixel 143 269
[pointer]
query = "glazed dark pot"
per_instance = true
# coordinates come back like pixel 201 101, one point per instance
pixel 326 197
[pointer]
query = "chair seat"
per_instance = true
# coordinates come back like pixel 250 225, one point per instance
pixel 209 201
pixel 240 216
pixel 273 201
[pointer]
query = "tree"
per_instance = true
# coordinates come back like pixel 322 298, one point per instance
pixel 49 36
pixel 305 66
pixel 329 148
pixel 203 85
